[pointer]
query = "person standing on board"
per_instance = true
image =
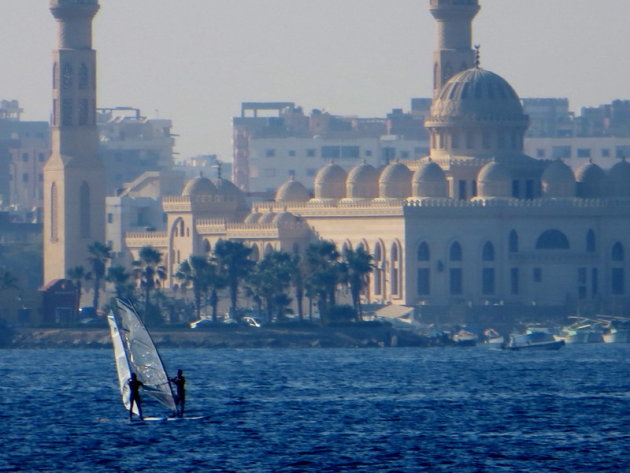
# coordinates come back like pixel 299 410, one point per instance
pixel 134 395
pixel 180 395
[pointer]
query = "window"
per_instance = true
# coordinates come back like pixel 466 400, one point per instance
pixel 110 218
pixel 552 240
pixel 83 77
pixel 529 189
pixel 516 188
pixel 605 153
pixel 455 253
pixel 470 140
pixel 270 153
pixel 368 152
pixel 513 242
pixel 487 281
pixel 462 189
pixel 292 153
pixel 540 153
pixel 66 112
pixel 488 252
pixel 455 281
pixel 330 152
pixel 617 281
pixel 424 281
pixel 83 112
pixel 40 157
pixel 311 172
pixel 514 289
pixel 590 241
pixel 584 153
pixel 25 157
pixel 622 151
pixel 25 177
pixel 561 152
pixel 617 252
pixel 349 152
pixel 537 275
pixel 311 153
pixel 423 252
pixel 84 210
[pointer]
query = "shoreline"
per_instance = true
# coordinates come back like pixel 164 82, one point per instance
pixel 239 337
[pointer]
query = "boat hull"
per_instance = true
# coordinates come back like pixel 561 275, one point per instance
pixel 551 345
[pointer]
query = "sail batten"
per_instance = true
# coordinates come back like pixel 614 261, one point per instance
pixel 140 356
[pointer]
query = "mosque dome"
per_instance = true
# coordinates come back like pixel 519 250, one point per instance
pixel 199 186
pixel 267 218
pixel 395 182
pixel 558 180
pixel 477 95
pixel 592 181
pixel 292 191
pixel 285 218
pixel 362 182
pixel 619 176
pixel 330 182
pixel 252 217
pixel 429 181
pixel 494 180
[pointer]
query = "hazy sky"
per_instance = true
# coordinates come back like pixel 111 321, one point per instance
pixel 195 61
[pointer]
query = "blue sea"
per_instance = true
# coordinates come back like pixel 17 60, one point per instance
pixel 326 410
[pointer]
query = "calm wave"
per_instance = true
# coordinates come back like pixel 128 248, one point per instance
pixel 393 410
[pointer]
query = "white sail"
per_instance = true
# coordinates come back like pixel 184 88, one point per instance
pixel 142 356
pixel 122 365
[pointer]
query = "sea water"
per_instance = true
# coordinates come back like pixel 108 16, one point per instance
pixel 319 410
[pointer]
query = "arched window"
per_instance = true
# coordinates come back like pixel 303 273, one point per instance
pixel 268 249
pixel 552 240
pixel 255 254
pixel 513 242
pixel 66 77
pixel 395 269
pixel 207 248
pixel 378 269
pixel 590 241
pixel 54 217
pixel 488 252
pixel 84 210
pixel 455 253
pixel 83 77
pixel 617 253
pixel 423 252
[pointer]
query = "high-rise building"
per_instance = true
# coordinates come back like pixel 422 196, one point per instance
pixel 74 176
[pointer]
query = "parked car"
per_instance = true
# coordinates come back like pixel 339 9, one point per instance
pixel 201 323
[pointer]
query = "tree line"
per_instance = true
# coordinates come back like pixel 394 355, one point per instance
pixel 271 284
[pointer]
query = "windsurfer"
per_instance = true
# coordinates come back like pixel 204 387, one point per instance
pixel 134 395
pixel 180 395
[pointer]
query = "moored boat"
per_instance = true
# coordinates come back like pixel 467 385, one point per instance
pixel 533 341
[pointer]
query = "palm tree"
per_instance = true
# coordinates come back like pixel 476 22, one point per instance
pixel 193 272
pixel 232 258
pixel 325 270
pixel 119 277
pixel 99 255
pixel 149 272
pixel 269 280
pixel 8 280
pixel 297 279
pixel 77 275
pixel 358 265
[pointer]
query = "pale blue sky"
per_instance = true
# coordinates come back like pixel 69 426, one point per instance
pixel 195 61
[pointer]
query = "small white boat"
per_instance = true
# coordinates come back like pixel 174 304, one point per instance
pixel 533 341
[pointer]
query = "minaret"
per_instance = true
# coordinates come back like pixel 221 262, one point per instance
pixel 74 176
pixel 454 51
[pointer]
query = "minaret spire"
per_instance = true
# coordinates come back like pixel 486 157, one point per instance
pixel 454 51
pixel 74 176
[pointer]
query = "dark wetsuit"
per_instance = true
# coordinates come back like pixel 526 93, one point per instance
pixel 134 397
pixel 180 394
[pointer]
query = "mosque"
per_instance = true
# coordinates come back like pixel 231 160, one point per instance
pixel 476 224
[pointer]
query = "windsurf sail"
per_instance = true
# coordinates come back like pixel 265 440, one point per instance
pixel 122 365
pixel 141 356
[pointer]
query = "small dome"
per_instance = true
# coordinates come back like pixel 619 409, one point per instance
pixel 395 182
pixel 267 217
pixel 558 180
pixel 227 189
pixel 477 95
pixel 362 182
pixel 619 176
pixel 292 191
pixel 494 180
pixel 429 181
pixel 330 182
pixel 199 186
pixel 592 181
pixel 252 217
pixel 285 218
